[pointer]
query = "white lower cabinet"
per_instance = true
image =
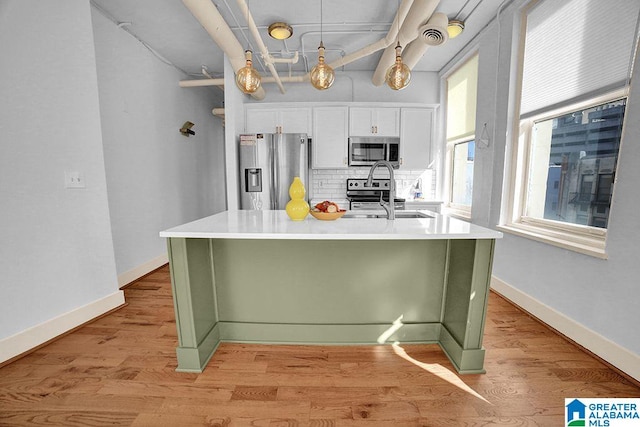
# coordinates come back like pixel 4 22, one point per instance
pixel 416 136
pixel 330 137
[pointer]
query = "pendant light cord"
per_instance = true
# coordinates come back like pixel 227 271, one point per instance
pixel 246 17
pixel 320 21
pixel 398 22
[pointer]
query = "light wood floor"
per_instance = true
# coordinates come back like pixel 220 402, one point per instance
pixel 119 370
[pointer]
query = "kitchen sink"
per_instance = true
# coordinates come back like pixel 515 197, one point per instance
pixel 399 215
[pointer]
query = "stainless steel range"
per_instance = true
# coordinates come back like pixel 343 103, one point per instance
pixel 362 197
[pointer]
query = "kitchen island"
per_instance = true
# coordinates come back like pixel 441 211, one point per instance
pixel 257 276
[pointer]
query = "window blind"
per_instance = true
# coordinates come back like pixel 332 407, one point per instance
pixel 575 48
pixel 462 90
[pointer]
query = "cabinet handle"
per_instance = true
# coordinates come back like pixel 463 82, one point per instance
pixel 373 129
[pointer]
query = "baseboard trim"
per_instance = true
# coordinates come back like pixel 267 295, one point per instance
pixel 139 271
pixel 25 341
pixel 619 357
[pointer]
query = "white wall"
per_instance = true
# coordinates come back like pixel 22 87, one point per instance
pixel 598 296
pixel 356 86
pixel 56 254
pixel 156 177
pixel 352 86
pixel 234 118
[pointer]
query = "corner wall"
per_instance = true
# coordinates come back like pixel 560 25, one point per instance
pixel 156 177
pixel 56 255
pixel 593 301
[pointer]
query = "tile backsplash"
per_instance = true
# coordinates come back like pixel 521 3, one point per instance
pixel 331 184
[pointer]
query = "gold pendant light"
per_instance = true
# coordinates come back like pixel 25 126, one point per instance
pixel 322 75
pixel 398 75
pixel 247 78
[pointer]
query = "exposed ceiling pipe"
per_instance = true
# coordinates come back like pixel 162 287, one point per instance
pixel 433 33
pixel 289 79
pixel 293 60
pixel 205 72
pixel 413 52
pixel 219 112
pixel 220 82
pixel 201 82
pixel 341 52
pixel 420 12
pixel 211 20
pixel 263 49
pixel 389 39
pixel 410 14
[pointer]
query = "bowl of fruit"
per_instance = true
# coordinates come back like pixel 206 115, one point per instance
pixel 327 211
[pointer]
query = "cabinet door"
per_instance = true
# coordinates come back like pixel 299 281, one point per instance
pixel 278 120
pixel 330 139
pixel 370 121
pixel 296 120
pixel 361 121
pixel 416 138
pixel 261 120
pixel 386 121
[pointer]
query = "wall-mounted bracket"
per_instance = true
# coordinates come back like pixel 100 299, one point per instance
pixel 186 129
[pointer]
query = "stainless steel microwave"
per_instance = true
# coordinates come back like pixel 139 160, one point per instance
pixel 365 151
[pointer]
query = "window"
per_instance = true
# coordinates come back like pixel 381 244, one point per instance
pixel 572 104
pixel 462 173
pixel 575 156
pixel 462 88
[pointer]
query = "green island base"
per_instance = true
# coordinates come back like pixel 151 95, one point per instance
pixel 330 292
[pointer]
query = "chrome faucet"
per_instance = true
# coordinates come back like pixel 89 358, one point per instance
pixel 390 205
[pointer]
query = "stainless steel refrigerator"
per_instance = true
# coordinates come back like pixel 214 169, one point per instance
pixel 268 164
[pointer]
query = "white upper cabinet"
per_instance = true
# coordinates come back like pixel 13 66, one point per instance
pixel 330 137
pixel 278 120
pixel 416 137
pixel 331 125
pixel 374 121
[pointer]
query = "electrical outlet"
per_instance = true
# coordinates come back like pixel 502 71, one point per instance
pixel 74 179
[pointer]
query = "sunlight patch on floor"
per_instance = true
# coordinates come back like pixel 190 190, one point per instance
pixel 439 371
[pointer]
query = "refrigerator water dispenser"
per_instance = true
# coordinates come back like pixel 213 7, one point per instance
pixel 253 180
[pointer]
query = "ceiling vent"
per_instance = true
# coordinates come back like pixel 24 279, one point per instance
pixel 434 32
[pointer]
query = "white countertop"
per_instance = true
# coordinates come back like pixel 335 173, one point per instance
pixel 246 224
pixel 422 202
